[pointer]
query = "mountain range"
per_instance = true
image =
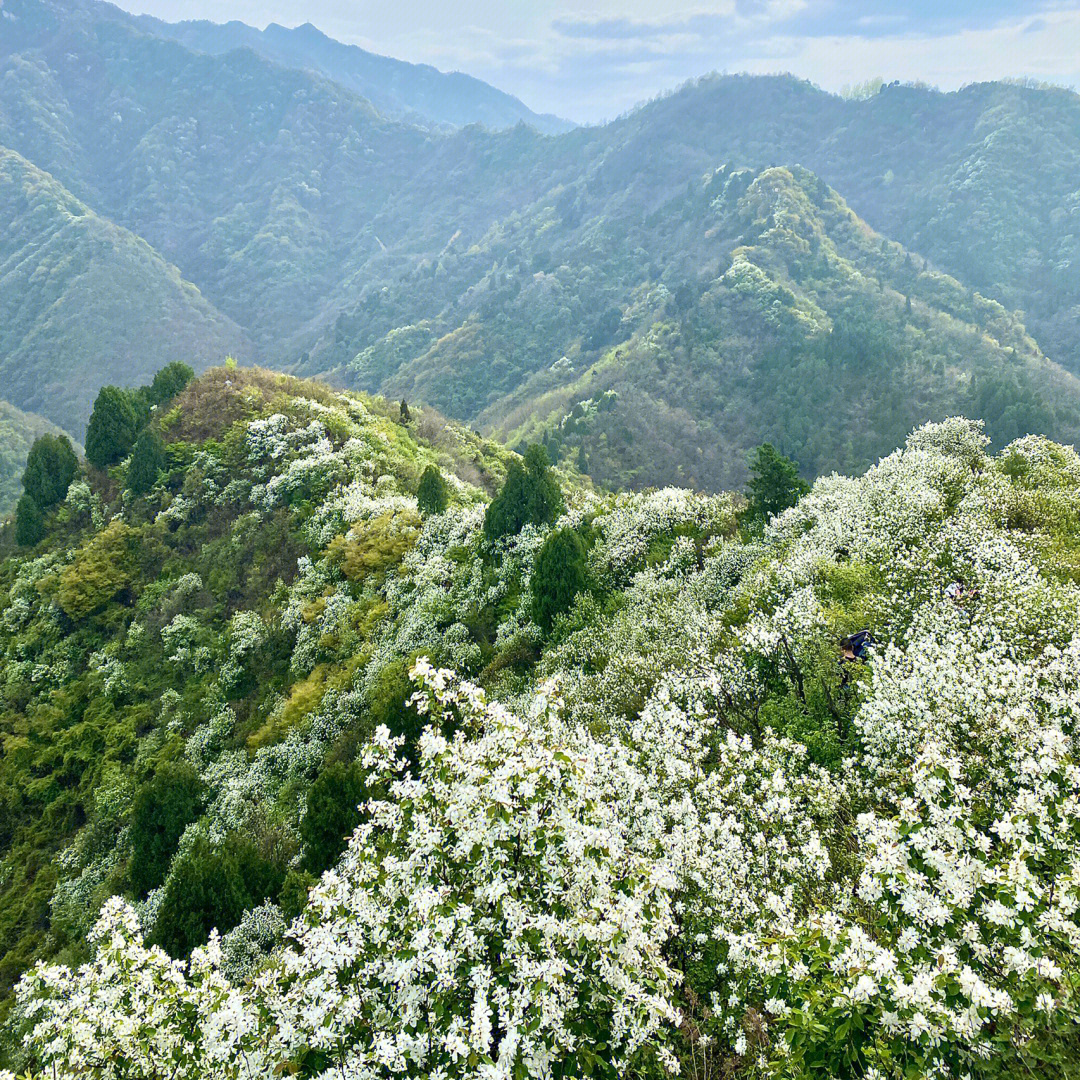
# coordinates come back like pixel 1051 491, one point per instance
pixel 745 258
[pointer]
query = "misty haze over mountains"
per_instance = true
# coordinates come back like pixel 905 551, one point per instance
pixel 707 265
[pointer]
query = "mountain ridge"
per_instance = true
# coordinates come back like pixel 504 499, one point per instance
pixel 81 296
pixel 418 93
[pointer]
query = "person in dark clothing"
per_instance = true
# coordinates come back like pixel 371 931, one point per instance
pixel 855 647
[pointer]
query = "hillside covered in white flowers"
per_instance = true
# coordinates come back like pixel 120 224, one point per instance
pixel 652 824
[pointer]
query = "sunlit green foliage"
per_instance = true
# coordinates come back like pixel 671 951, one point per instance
pixel 103 567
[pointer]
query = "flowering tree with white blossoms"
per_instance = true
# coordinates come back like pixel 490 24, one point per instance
pixel 489 918
pixel 133 1013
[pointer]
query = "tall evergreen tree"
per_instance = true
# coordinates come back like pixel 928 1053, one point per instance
pixel 147 461
pixel 531 494
pixel 558 576
pixel 432 496
pixel 774 484
pixel 333 802
pixel 113 428
pixel 168 382
pixel 51 465
pixel 29 522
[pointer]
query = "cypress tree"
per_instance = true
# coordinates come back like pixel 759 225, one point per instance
pixel 114 425
pixel 774 484
pixel 168 382
pixel 531 494
pixel 51 465
pixel 29 522
pixel 147 461
pixel 432 496
pixel 558 576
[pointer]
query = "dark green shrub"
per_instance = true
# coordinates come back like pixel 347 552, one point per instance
pixel 388 703
pixel 29 522
pixel 332 814
pixel 147 461
pixel 164 806
pixel 51 465
pixel 212 885
pixel 294 892
pixel 432 496
pixel 559 575
pixel 114 425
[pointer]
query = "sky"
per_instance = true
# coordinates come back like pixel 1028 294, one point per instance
pixel 591 60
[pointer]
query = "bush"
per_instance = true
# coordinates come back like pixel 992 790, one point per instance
pixel 559 575
pixel 51 465
pixel 114 425
pixel 432 496
pixel 211 885
pixel 332 814
pixel 163 808
pixel 530 495
pixel 147 461
pixel 388 703
pixel 29 522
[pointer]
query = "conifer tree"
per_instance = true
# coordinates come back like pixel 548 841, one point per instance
pixel 147 461
pixel 113 428
pixel 29 523
pixel 774 484
pixel 168 382
pixel 432 496
pixel 531 494
pixel 558 576
pixel 51 465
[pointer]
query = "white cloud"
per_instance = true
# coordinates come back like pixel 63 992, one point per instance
pixel 1045 47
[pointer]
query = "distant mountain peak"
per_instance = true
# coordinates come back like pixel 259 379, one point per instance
pixel 418 93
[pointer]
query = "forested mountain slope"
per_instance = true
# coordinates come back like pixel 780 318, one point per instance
pixel 255 179
pixel 83 301
pixel 944 174
pixel 949 175
pixel 659 787
pixel 418 93
pixel 463 266
pixel 18 430
pixel 785 317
